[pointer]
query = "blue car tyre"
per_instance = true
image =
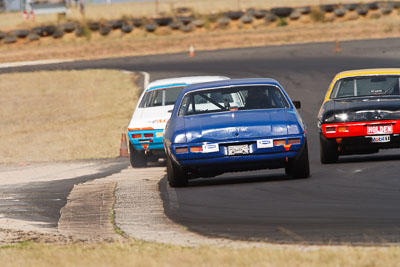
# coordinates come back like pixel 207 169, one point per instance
pixel 299 168
pixel 176 176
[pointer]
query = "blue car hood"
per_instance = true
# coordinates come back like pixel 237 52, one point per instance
pixel 240 125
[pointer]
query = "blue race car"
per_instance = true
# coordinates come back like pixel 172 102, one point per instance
pixel 234 125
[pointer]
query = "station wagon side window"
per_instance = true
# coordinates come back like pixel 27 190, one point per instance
pixel 160 97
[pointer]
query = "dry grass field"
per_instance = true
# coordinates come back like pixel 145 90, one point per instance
pixel 64 115
pixel 147 254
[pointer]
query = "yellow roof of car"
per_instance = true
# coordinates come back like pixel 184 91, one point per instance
pixel 360 72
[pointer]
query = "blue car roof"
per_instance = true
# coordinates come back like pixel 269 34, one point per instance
pixel 232 82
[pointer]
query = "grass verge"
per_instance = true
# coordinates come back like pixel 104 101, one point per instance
pixel 64 115
pixel 148 254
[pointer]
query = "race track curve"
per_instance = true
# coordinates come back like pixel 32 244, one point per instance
pixel 356 200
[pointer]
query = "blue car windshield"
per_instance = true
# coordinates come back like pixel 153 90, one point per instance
pixel 232 99
pixel 160 97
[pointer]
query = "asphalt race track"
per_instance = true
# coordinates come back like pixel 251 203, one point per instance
pixel 356 200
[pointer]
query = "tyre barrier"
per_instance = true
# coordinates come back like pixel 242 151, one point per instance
pixel 393 4
pixel 186 22
pixel 93 26
pixel 339 12
pixel 137 22
pixel 213 17
pixel 116 24
pixel 199 23
pixel 175 25
pixel 328 8
pixel 183 10
pixel 68 27
pixel 10 39
pixel 304 10
pixel 251 12
pixel 127 28
pixel 246 19
pixel 350 7
pixel 270 17
pixel 20 33
pixel 223 22
pixel 234 15
pixel 48 30
pixel 282 12
pixel 79 31
pixel 105 29
pixel 185 19
pixel 163 21
pixel 37 30
pixel 259 14
pixel 59 33
pixel 362 10
pixel 187 27
pixel 386 10
pixel 151 27
pixel 33 36
pixel 295 15
pixel 372 6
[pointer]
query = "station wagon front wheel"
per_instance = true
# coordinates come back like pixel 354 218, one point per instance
pixel 176 176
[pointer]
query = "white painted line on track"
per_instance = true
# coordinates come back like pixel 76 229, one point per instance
pixel 33 63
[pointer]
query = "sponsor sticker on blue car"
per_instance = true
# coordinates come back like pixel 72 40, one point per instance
pixel 265 143
pixel 208 148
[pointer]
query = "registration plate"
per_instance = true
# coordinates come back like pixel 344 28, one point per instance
pixel 381 139
pixel 380 129
pixel 238 150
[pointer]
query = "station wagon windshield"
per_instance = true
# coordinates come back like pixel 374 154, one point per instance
pixel 364 86
pixel 161 97
pixel 232 99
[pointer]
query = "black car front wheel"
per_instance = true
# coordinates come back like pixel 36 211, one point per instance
pixel 299 167
pixel 328 151
pixel 138 158
pixel 176 176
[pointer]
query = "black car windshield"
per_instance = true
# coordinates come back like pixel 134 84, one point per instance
pixel 161 97
pixel 364 86
pixel 232 99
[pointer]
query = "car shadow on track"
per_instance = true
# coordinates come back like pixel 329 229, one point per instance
pixel 238 179
pixel 369 158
